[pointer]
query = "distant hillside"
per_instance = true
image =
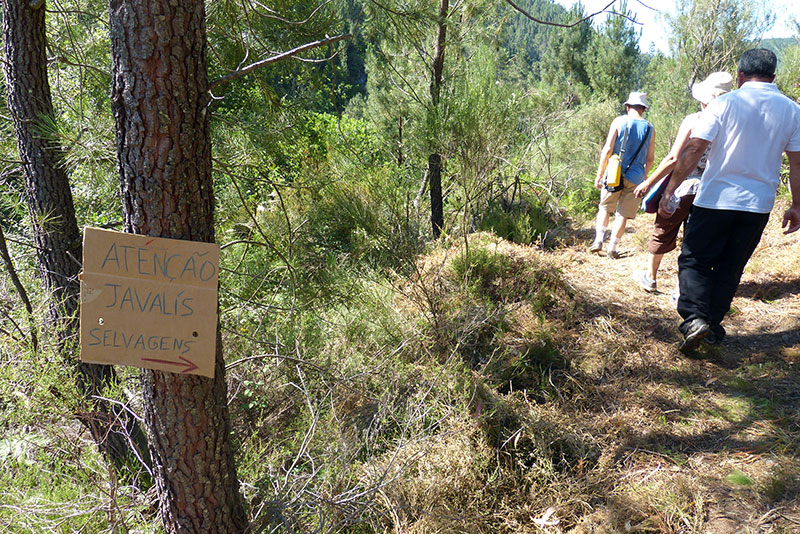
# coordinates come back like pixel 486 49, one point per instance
pixel 522 36
pixel 778 45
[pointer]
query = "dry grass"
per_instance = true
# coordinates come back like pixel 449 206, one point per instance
pixel 685 428
pixel 627 435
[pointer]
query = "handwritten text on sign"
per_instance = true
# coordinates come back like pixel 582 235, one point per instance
pixel 149 302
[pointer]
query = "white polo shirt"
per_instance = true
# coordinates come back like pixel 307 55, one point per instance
pixel 749 130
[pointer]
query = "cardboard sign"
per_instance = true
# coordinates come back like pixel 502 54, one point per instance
pixel 149 302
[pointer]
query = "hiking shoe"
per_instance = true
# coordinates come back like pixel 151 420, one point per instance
pixel 696 331
pixel 596 246
pixel 715 335
pixel 613 254
pixel 712 339
pixel 644 281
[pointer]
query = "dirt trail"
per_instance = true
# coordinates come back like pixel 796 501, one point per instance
pixel 700 446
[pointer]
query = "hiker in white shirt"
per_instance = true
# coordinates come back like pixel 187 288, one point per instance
pixel 747 130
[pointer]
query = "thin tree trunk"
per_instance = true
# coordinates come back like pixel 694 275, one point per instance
pixel 435 159
pixel 437 202
pixel 160 101
pixel 23 294
pixel 55 229
pixel 400 141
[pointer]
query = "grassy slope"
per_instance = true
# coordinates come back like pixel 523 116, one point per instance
pixel 624 434
pixel 519 390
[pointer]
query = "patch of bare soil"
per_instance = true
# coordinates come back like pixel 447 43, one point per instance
pixel 690 445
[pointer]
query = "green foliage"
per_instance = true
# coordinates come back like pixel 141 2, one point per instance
pixel 241 33
pixel 525 40
pixel 398 101
pixel 788 75
pixel 82 126
pixel 358 353
pixel 670 101
pixel 737 478
pixel 670 96
pixel 332 177
pixel 492 280
pixel 778 45
pixel 45 482
pixel 78 37
pixel 581 200
pixel 52 477
pixel 567 55
pixel 486 126
pixel 710 35
pixel 482 269
pixel 12 181
pixel 614 52
pixel 523 223
pixel 362 224
pixel 564 160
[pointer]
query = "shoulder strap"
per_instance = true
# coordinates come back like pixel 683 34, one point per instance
pixel 624 142
pixel 644 142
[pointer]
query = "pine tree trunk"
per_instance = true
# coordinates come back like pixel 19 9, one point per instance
pixel 437 202
pixel 160 100
pixel 55 228
pixel 435 159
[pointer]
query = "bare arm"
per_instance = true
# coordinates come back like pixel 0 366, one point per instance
pixel 792 215
pixel 668 163
pixel 651 152
pixel 688 160
pixel 604 155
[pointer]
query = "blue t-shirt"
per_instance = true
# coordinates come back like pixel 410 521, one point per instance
pixel 639 132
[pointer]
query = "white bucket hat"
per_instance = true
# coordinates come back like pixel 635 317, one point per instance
pixel 717 83
pixel 637 99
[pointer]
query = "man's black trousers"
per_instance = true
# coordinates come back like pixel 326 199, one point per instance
pixel 716 247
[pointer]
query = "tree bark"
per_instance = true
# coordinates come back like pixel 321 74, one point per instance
pixel 435 159
pixel 55 228
pixel 160 101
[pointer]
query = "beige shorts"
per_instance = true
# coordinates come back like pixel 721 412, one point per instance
pixel 622 201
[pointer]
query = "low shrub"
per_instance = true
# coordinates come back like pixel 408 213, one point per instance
pixel 521 223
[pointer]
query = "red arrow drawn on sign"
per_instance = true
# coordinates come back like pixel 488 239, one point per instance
pixel 190 365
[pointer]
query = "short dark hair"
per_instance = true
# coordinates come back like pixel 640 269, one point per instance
pixel 758 62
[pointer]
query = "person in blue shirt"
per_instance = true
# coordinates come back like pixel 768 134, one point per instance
pixel 633 138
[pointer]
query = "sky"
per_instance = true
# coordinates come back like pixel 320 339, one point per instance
pixel 654 28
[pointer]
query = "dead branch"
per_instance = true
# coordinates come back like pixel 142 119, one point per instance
pixel 23 294
pixel 270 60
pixel 560 25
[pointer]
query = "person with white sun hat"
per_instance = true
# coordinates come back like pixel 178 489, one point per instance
pixel 632 138
pixel 748 131
pixel 664 237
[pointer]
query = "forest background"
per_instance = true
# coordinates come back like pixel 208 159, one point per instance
pixel 375 383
